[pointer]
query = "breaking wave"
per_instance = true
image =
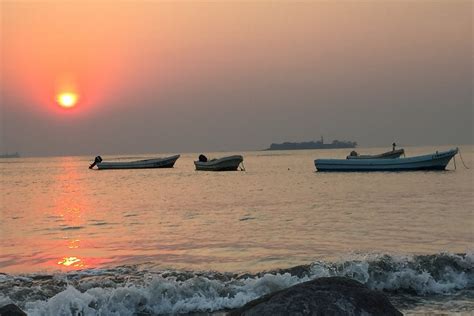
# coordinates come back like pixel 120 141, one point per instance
pixel 128 290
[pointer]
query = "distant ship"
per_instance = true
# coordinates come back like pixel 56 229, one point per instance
pixel 7 155
pixel 313 145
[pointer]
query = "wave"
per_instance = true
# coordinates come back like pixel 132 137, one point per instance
pixel 72 228
pixel 420 275
pixel 133 289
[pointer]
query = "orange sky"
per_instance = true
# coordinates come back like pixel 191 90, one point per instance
pixel 148 54
pixel 54 46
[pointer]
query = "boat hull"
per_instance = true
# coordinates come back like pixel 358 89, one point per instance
pixel 436 161
pixel 167 162
pixel 230 163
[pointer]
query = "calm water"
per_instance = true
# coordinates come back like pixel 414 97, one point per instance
pixel 58 216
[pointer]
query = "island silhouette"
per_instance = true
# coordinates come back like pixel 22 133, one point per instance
pixel 312 145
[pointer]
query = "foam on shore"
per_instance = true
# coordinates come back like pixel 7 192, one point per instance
pixel 127 290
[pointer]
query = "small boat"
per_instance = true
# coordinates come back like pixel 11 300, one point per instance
pixel 389 154
pixel 166 162
pixel 7 155
pixel 436 161
pixel 230 163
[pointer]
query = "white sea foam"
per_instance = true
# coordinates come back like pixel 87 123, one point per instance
pixel 424 275
pixel 127 290
pixel 162 296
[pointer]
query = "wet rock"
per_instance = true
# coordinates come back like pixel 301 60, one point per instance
pixel 11 310
pixel 335 296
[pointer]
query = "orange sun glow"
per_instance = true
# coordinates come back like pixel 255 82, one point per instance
pixel 67 99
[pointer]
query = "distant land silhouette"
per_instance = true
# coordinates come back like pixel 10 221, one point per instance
pixel 7 155
pixel 312 145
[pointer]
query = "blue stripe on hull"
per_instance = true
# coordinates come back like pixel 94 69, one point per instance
pixel 170 165
pixel 231 168
pixel 433 168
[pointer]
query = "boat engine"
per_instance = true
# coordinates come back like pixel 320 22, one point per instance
pixel 97 160
pixel 202 158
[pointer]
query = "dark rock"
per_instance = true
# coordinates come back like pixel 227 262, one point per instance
pixel 334 296
pixel 11 310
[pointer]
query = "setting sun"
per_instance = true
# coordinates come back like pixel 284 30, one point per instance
pixel 67 99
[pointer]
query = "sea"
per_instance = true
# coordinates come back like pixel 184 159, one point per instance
pixel 75 241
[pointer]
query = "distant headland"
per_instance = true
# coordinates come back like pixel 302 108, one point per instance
pixel 7 155
pixel 313 145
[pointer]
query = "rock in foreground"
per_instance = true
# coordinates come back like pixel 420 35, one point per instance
pixel 325 296
pixel 11 310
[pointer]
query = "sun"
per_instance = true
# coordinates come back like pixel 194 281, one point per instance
pixel 67 99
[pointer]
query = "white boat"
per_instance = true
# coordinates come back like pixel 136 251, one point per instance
pixel 166 162
pixel 230 163
pixel 435 161
pixel 389 154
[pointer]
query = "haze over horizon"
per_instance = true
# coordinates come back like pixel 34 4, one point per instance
pixel 197 77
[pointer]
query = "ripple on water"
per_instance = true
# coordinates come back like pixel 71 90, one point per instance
pixel 100 223
pixel 72 228
pixel 248 218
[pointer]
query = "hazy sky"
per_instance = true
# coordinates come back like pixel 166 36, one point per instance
pixel 193 76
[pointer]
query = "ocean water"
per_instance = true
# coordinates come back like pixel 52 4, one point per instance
pixel 181 241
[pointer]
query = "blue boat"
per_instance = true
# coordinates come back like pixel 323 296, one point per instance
pixel 436 161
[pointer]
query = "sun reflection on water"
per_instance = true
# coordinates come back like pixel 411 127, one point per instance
pixel 73 244
pixel 72 262
pixel 71 207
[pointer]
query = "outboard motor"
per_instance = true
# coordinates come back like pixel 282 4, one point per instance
pixel 97 160
pixel 202 158
pixel 353 153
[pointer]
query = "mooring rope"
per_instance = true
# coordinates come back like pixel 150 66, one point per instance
pixel 462 160
pixel 243 167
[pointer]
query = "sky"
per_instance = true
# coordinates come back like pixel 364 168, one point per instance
pixel 195 76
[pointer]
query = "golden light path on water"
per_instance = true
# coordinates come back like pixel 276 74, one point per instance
pixel 69 207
